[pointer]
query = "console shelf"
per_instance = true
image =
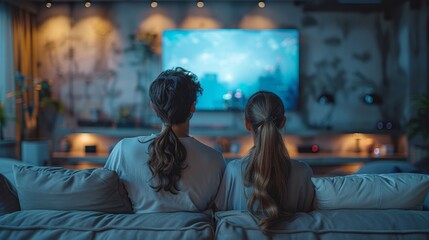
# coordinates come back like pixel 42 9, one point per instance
pixel 317 159
pixel 217 131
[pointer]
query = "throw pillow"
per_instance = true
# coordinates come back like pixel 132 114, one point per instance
pixel 372 191
pixel 379 167
pixel 55 188
pixel 8 199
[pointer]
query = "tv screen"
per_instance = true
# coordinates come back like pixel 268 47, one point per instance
pixel 232 64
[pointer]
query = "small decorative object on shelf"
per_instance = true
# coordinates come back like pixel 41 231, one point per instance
pixel 65 145
pixel 235 147
pixel 126 118
pixel 222 145
pixel 91 149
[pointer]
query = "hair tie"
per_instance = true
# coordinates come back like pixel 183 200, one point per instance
pixel 269 119
pixel 168 125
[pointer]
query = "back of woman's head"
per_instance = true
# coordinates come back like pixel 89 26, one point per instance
pixel 269 165
pixel 172 95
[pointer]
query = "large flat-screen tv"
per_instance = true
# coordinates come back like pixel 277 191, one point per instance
pixel 232 64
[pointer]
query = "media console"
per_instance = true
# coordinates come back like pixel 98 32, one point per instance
pixel 335 149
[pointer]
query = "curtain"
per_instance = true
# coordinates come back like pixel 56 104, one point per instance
pixel 25 61
pixel 24 35
pixel 7 84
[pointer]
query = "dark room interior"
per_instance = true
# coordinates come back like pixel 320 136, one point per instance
pixel 353 76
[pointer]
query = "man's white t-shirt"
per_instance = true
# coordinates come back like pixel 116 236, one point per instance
pixel 198 185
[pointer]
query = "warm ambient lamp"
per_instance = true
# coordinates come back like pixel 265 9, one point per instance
pixel 88 4
pixel 261 4
pixel 358 137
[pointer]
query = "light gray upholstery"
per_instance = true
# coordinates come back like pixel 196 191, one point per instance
pixel 235 225
pixel 50 224
pixel 329 225
pixel 55 188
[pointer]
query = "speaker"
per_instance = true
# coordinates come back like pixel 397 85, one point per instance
pixel 313 148
pixel 386 125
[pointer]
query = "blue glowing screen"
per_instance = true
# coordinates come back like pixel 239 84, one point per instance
pixel 232 64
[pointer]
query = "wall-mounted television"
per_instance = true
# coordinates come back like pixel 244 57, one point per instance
pixel 232 64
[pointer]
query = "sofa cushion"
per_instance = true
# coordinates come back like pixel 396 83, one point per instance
pixel 371 191
pixel 379 167
pixel 51 224
pixel 6 168
pixel 8 199
pixel 54 188
pixel 328 224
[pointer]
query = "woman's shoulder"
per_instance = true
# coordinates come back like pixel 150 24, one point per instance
pixel 142 139
pixel 302 167
pixel 237 165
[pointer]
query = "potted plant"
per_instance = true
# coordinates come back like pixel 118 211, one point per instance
pixel 38 115
pixel 419 124
pixel 2 121
pixel 7 146
pixel 418 132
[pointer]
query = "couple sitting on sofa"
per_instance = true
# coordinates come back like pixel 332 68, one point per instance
pixel 174 172
pixel 172 179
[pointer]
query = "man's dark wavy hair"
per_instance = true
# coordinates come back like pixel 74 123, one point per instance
pixel 172 94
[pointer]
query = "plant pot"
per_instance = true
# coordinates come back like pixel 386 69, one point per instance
pixel 36 152
pixel 8 149
pixel 418 155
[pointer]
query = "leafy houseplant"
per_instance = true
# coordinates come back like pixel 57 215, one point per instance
pixel 419 124
pixel 2 121
pixel 418 133
pixel 7 146
pixel 38 108
pixel 4 118
pixel 38 115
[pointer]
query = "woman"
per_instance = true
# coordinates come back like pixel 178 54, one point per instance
pixel 170 171
pixel 266 182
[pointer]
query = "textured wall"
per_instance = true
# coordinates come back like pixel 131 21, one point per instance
pixel 100 60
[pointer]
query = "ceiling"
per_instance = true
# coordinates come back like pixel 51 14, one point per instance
pixel 309 5
pixel 354 2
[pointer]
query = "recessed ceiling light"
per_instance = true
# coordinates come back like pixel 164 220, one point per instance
pixel 48 4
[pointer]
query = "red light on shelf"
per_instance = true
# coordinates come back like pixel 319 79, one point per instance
pixel 315 148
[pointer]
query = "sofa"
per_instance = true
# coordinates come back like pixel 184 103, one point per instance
pixel 92 204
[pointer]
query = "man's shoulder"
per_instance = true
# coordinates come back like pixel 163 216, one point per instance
pixel 205 148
